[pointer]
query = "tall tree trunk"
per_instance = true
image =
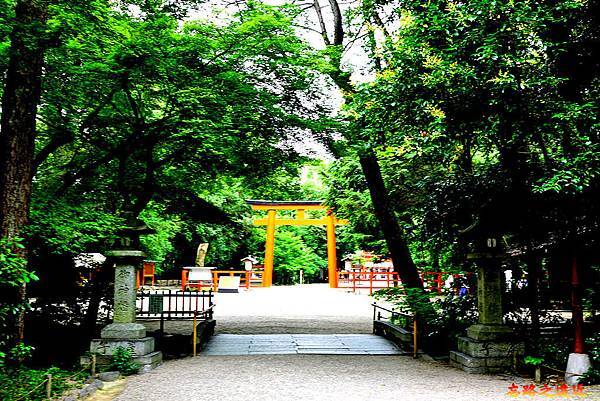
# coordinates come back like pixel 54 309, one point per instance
pixel 394 237
pixel 17 129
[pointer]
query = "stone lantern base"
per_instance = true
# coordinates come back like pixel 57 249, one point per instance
pixel 487 348
pixel 126 335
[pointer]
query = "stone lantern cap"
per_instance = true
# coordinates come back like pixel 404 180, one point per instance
pixel 129 237
pixel 125 253
pixel 485 241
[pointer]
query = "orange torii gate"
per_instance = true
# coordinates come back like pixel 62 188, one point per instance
pixel 271 221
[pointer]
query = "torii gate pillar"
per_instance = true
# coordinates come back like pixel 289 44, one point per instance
pixel 271 221
pixel 331 251
pixel 269 249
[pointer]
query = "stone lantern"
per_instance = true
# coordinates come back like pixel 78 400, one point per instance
pixel 124 331
pixel 249 261
pixel 489 345
pixel 347 263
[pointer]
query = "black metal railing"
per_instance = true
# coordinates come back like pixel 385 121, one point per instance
pixel 393 316
pixel 174 305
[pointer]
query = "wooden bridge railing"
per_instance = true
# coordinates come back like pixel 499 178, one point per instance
pixel 248 279
pixel 367 279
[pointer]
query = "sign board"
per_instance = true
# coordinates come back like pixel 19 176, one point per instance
pixel 229 284
pixel 155 305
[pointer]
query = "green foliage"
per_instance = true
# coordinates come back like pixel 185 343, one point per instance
pixel 494 124
pixel 442 319
pixel 475 113
pixel 411 300
pixel 169 119
pixel 157 246
pixel 29 384
pixel 71 228
pixel 531 360
pixel 347 193
pixel 13 268
pixel 13 275
pixel 555 351
pixel 20 353
pixel 593 349
pixel 122 360
pixel 292 255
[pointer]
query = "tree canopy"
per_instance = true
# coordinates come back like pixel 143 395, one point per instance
pixel 434 122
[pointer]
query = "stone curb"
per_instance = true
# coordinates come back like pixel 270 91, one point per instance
pixel 92 385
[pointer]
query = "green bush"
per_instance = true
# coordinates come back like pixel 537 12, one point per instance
pixel 442 319
pixel 13 274
pixel 593 375
pixel 29 384
pixel 122 360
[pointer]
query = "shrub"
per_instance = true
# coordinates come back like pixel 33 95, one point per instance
pixel 13 274
pixel 442 318
pixel 122 360
pixel 593 375
pixel 29 385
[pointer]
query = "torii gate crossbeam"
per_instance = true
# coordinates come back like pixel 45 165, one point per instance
pixel 271 221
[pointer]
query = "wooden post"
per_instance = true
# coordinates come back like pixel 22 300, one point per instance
pixel 93 367
pixel 269 249
pixel 331 251
pixel 194 334
pixel 576 308
pixel 415 345
pixel 183 279
pixel 48 386
pixel 371 282
pixel 538 374
pixel 215 281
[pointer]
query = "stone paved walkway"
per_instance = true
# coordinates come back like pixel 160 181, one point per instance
pixel 289 344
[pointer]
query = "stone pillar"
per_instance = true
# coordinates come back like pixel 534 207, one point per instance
pixel 490 280
pixel 124 331
pixel 124 325
pixel 489 346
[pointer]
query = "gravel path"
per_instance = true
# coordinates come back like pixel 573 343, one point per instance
pixel 299 309
pixel 313 309
pixel 310 377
